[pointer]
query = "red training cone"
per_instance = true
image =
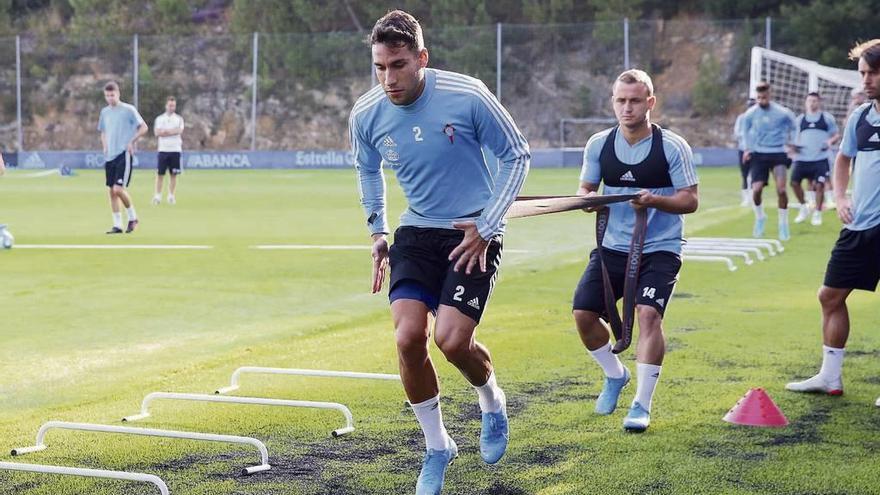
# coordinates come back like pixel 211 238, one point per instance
pixel 756 408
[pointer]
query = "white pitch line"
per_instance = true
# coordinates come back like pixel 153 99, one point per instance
pixel 335 247
pixel 110 246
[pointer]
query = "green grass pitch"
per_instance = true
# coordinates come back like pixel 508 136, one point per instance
pixel 85 334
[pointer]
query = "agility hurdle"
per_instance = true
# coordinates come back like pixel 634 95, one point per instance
pixel 145 406
pixel 236 375
pixel 754 250
pixel 730 265
pixel 40 444
pixel 773 243
pixel 88 473
pixel 719 252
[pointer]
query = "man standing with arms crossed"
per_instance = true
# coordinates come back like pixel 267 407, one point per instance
pixel 168 129
pixel 635 157
pixel 767 128
pixel 855 259
pixel 430 126
pixel 120 126
pixel 816 134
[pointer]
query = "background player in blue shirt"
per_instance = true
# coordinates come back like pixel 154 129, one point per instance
pixel 430 127
pixel 767 128
pixel 816 134
pixel 635 157
pixel 120 126
pixel 855 259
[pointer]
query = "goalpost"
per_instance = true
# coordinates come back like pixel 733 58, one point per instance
pixel 792 78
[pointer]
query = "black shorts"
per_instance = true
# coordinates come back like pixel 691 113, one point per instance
pixel 657 277
pixel 761 164
pixel 422 255
pixel 817 171
pixel 118 170
pixel 169 161
pixel 855 260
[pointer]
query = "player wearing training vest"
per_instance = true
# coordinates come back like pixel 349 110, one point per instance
pixel 430 128
pixel 767 128
pixel 816 134
pixel 120 126
pixel 745 192
pixel 855 259
pixel 168 129
pixel 635 157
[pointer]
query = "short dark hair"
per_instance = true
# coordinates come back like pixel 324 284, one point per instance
pixel 170 98
pixel 814 93
pixel 398 29
pixel 762 87
pixel 869 51
pixel 111 86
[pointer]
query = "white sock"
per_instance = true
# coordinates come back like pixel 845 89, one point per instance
pixel 646 378
pixel 117 220
pixel 609 361
pixel 811 197
pixel 745 194
pixel 759 210
pixel 829 196
pixel 431 420
pixel 832 363
pixel 490 395
pixel 783 216
pixel 131 214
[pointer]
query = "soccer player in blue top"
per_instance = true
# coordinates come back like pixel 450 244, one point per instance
pixel 855 259
pixel 635 157
pixel 120 126
pixel 430 127
pixel 767 128
pixel 816 134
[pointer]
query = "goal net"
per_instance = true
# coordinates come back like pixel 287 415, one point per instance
pixel 792 78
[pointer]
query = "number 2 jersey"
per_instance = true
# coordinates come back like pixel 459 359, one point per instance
pixel 435 145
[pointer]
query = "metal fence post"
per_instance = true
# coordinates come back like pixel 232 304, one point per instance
pixel 626 43
pixel 20 139
pixel 768 33
pixel 256 55
pixel 498 61
pixel 135 76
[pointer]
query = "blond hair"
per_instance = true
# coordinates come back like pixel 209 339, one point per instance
pixel 633 76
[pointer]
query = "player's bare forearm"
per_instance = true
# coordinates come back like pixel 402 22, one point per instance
pixel 841 176
pixel 586 188
pixel 684 201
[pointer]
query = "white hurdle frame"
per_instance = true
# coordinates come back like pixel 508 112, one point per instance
pixel 260 401
pixel 719 252
pixel 730 265
pixel 236 375
pixel 40 444
pixel 755 250
pixel 773 243
pixel 88 473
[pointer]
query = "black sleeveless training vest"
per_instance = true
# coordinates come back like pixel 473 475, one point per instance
pixel 867 135
pixel 650 173
pixel 819 125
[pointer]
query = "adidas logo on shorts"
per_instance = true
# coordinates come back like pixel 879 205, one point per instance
pixel 388 142
pixel 628 176
pixel 474 303
pixel 875 138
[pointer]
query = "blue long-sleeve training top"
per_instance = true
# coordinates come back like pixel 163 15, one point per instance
pixel 435 146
